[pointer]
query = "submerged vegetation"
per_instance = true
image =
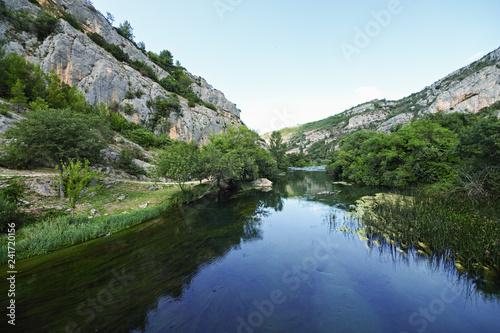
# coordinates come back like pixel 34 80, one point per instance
pixel 449 226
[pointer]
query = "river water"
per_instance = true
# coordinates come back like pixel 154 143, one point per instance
pixel 255 261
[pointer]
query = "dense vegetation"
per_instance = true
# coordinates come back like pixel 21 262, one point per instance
pixel 447 167
pixel 229 157
pixel 445 148
pixel 62 130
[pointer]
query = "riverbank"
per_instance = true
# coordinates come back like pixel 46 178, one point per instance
pixel 446 226
pixel 50 224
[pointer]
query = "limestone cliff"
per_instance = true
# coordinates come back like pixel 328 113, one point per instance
pixel 468 89
pixel 102 78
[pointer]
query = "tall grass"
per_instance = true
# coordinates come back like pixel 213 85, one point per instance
pixel 448 225
pixel 49 235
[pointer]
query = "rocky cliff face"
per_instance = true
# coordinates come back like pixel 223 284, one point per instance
pixel 468 89
pixel 104 79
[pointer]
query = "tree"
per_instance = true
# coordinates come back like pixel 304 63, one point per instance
pixel 110 18
pixel 53 137
pixel 77 180
pixel 278 150
pixel 56 92
pixel 179 162
pixel 236 155
pixel 19 99
pixel 125 29
pixel 141 46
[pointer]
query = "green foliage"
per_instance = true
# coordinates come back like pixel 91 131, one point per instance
pixel 77 178
pixel 421 153
pixel 72 20
pixel 10 218
pixel 298 160
pixel 235 156
pixel 163 60
pixel 125 29
pixel 43 237
pixel 144 69
pixel 15 68
pixel 180 162
pixel 319 150
pixel 173 85
pixel 278 149
pixel 45 25
pixel 147 139
pixel 12 191
pixel 128 109
pixel 49 137
pixel 19 99
pixel 127 164
pixel 130 94
pixel 162 108
pixel 115 50
pixel 447 223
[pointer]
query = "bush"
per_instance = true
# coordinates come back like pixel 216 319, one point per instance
pixel 115 50
pixel 45 25
pixel 127 164
pixel 71 20
pixel 9 215
pixel 13 192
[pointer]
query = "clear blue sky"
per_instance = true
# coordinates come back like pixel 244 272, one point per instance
pixel 290 62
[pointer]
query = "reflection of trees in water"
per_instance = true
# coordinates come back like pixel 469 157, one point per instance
pixel 387 249
pixel 163 256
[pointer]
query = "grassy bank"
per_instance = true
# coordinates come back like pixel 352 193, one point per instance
pixel 450 226
pixel 49 235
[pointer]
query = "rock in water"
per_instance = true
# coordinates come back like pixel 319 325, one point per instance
pixel 262 182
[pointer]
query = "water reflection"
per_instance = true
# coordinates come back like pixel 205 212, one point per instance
pixel 70 290
pixel 200 267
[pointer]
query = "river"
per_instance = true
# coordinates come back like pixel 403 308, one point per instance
pixel 255 261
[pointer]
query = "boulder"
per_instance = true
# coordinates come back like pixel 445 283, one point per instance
pixel 262 182
pixel 43 186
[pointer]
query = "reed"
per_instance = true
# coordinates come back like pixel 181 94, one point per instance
pixel 51 234
pixel 448 225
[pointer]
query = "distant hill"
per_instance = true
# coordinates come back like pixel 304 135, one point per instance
pixel 468 89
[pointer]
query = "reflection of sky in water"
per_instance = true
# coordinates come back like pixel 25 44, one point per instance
pixel 347 289
pixel 217 266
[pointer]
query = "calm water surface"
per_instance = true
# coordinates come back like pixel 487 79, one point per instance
pixel 257 261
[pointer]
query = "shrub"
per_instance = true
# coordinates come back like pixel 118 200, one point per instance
pixel 45 25
pixel 72 21
pixel 127 164
pixel 9 215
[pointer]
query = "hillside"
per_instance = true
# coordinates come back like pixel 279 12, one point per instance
pixel 86 51
pixel 468 89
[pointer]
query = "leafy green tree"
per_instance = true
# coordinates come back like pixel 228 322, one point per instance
pixel 125 29
pixel 56 92
pixel 278 150
pixel 298 160
pixel 479 148
pixel 180 162
pixel 236 155
pixel 19 99
pixel 77 178
pixel 53 137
